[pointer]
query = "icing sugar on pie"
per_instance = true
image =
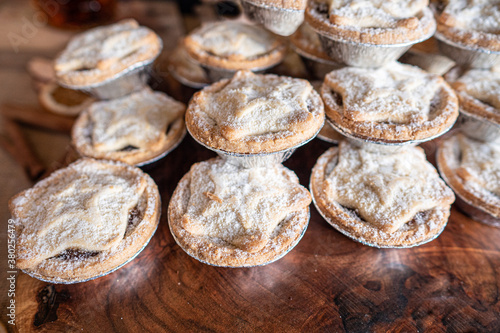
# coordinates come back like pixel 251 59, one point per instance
pixel 230 216
pixel 478 91
pixel 472 169
pixel 84 220
pixel 98 54
pixel 234 46
pixel 385 200
pixel 396 102
pixel 131 129
pixel 373 22
pixel 474 23
pixel 255 113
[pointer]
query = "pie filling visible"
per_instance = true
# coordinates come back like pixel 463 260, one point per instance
pixel 241 207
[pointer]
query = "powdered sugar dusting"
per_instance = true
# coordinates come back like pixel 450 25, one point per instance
pixel 241 206
pixel 483 85
pixel 235 40
pixel 387 191
pixel 84 206
pixel 139 120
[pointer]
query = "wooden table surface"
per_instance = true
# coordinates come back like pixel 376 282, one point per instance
pixel 326 283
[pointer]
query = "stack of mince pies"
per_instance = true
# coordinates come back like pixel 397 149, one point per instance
pixel 95 215
pixel 376 186
pixel 244 208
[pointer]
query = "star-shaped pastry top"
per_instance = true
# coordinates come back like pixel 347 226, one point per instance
pixel 480 164
pixel 252 105
pixel 395 93
pixel 376 13
pixel 84 206
pixel 139 120
pixel 386 191
pixel 241 206
pixel 483 85
pixel 103 47
pixel 235 40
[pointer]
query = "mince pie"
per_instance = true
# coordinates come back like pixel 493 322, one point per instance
pixel 395 200
pixel 133 129
pixel 84 221
pixel 235 45
pixel 472 169
pixel 253 113
pixel 225 215
pixel 99 54
pixel 394 103
pixel 371 22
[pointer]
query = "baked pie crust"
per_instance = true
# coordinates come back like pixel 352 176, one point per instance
pixel 224 215
pixel 395 200
pixel 235 45
pixel 478 91
pixel 133 129
pixel 472 23
pixel 283 4
pixel 255 113
pixel 84 221
pixel 472 169
pixel 101 53
pixel 371 22
pixel 394 103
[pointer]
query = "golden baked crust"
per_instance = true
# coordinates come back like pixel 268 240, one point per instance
pixel 284 4
pixel 478 91
pixel 307 40
pixel 465 171
pixel 228 216
pixel 99 54
pixel 470 23
pixel 59 100
pixel 409 230
pixel 255 113
pixel 49 247
pixel 133 129
pixel 371 22
pixel 234 46
pixel 393 103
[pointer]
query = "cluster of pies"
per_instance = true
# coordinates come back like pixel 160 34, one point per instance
pixel 95 215
pixel 244 208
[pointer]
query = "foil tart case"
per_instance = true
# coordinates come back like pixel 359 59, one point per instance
pixel 215 73
pixel 363 54
pixel 279 256
pixel 467 56
pixel 478 128
pixel 59 281
pixel 250 160
pixel 281 21
pixel 188 82
pixel 379 145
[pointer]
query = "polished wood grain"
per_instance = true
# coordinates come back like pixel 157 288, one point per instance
pixel 327 283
